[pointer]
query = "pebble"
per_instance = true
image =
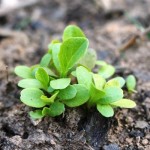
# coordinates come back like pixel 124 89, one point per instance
pixel 141 124
pixel 111 147
pixel 145 142
pixel 129 140
pixel 129 120
pixel 138 139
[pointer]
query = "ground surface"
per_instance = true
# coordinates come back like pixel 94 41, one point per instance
pixel 77 129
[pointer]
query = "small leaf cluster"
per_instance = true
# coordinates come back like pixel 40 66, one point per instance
pixel 65 77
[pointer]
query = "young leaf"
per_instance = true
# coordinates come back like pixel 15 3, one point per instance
pixel 32 97
pixel 125 103
pixel 61 83
pixel 99 81
pixel 55 51
pixel 105 110
pixel 117 81
pixel 112 83
pixel 55 109
pixel 67 93
pixel 70 52
pixel 42 76
pixel 23 71
pixel 95 95
pixel 106 71
pixel 81 97
pixel 131 83
pixel 101 63
pixel 50 99
pixel 84 76
pixel 30 83
pixel 37 114
pixel 89 59
pixel 112 94
pixel 72 31
pixel 45 60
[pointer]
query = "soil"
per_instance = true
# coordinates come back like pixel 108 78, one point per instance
pixel 30 31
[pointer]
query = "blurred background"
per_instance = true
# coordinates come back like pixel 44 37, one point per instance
pixel 117 29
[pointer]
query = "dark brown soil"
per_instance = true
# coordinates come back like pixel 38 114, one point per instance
pixel 31 29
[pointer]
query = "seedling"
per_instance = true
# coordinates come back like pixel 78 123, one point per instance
pixel 64 77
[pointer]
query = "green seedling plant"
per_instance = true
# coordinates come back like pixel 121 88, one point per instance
pixel 65 77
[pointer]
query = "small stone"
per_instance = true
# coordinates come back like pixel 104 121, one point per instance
pixel 145 142
pixel 147 147
pixel 141 124
pixel 52 142
pixel 129 140
pixel 129 120
pixel 35 122
pixel 17 140
pixel 138 139
pixel 111 147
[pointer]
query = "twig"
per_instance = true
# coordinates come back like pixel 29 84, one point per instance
pixel 132 40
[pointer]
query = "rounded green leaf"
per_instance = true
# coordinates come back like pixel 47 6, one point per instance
pixel 37 114
pixel 60 83
pixel 42 76
pixel 89 59
pixel 131 83
pixel 112 94
pixel 23 71
pixel 117 81
pixel 105 110
pixel 55 47
pixel 45 60
pixel 99 81
pixel 32 97
pixel 81 97
pixel 125 103
pixel 106 71
pixel 30 83
pixel 84 76
pixel 54 110
pixel 72 31
pixel 67 93
pixel 71 51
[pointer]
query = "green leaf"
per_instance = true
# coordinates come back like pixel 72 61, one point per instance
pixel 55 52
pixel 32 97
pixel 72 31
pixel 95 95
pixel 101 63
pixel 99 81
pixel 67 93
pixel 125 103
pixel 49 72
pixel 55 109
pixel 70 52
pixel 117 81
pixel 112 94
pixel 37 114
pixel 89 59
pixel 23 72
pixel 30 83
pixel 60 83
pixel 131 83
pixel 84 76
pixel 50 89
pixel 50 99
pixel 42 76
pixel 45 60
pixel 105 110
pixel 106 71
pixel 81 97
